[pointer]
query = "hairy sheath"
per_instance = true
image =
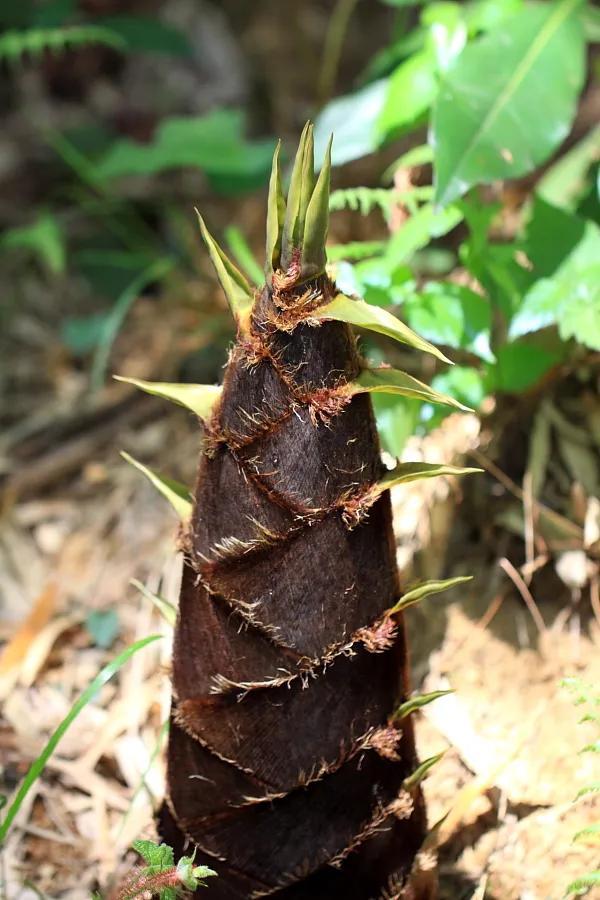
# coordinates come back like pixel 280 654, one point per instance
pixel 286 767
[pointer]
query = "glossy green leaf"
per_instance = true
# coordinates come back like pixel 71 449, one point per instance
pixel 420 228
pixel 430 587
pixel 353 120
pixel 451 315
pixel 509 99
pixel 166 609
pixel 176 493
pixel 393 381
pixel 418 702
pixel 565 252
pixel 411 90
pixel 521 365
pixel 566 180
pixel 236 286
pixel 200 398
pixel 464 383
pixel 397 418
pixel 373 318
pixel 421 771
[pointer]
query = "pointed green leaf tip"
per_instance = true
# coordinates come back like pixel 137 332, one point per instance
pixel 297 230
pixel 275 216
pixel 200 398
pixel 177 494
pixel 237 288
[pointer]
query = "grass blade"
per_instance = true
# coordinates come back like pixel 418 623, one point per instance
pixel 37 767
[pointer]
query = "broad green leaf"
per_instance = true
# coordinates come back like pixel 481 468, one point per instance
pixel 421 771
pixel 200 398
pixel 430 587
pixel 177 494
pixel 166 609
pixel 397 419
pixel 570 296
pixel 519 366
pixel 484 15
pixel 393 381
pixel 214 143
pixel 38 766
pixel 353 120
pixel 403 473
pixel 373 318
pixel 236 286
pixel 44 238
pixel 418 702
pixel 411 90
pixel 566 180
pixel 420 228
pixel 509 99
pixel 452 315
pixel 464 383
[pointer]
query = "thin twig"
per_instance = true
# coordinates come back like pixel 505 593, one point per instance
pixel 525 593
pixel 529 526
pixel 517 492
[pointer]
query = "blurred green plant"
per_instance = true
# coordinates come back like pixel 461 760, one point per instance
pixel 586 696
pixel 497 82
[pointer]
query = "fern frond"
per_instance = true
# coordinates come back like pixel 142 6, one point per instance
pixel 355 250
pixel 363 199
pixel 14 45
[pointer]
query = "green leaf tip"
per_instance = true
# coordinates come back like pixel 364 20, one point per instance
pixel 237 288
pixel 386 380
pixel 418 702
pixel 199 398
pixel 421 771
pixel 297 229
pixel 406 472
pixel 426 590
pixel 166 609
pixel 374 318
pixel 177 494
